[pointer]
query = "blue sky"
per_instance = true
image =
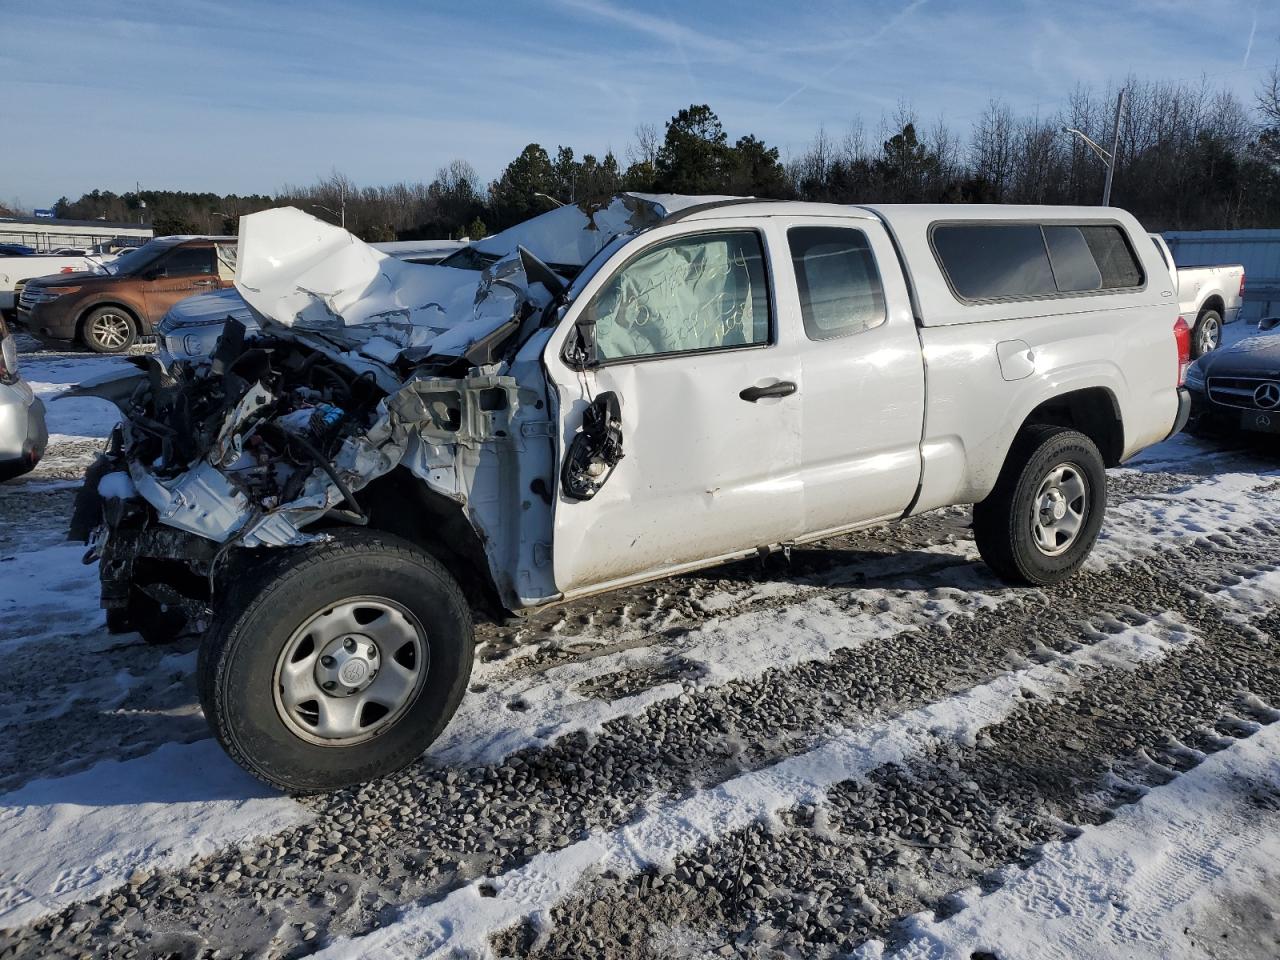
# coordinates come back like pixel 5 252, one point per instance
pixel 241 96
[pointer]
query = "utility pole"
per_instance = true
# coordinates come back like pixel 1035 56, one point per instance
pixel 1115 146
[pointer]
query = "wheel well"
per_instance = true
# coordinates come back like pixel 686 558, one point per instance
pixel 402 504
pixel 1213 303
pixel 84 315
pixel 1092 411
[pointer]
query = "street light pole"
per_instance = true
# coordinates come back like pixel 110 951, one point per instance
pixel 1108 157
pixel 1115 147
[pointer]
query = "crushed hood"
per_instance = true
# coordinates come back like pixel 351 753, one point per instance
pixel 298 272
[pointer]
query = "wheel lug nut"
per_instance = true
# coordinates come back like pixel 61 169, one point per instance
pixel 372 674
pixel 329 685
pixel 349 645
pixel 373 652
pixel 327 661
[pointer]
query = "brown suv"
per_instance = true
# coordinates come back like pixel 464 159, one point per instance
pixel 107 310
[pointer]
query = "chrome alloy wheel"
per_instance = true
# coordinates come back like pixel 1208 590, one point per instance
pixel 350 671
pixel 110 330
pixel 1059 509
pixel 1210 335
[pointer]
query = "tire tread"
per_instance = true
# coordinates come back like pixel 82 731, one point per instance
pixel 249 593
pixel 995 534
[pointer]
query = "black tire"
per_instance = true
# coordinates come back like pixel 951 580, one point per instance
pixel 109 330
pixel 1003 523
pixel 1206 336
pixel 265 607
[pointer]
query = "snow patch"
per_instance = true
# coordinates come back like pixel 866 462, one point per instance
pixel 1141 886
pixel 462 922
pixel 70 839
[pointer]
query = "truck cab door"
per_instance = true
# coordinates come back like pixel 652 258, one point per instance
pixel 687 357
pixel 184 272
pixel 863 403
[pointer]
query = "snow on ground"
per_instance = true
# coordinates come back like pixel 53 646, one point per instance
pixel 1153 883
pixel 45 593
pixel 1216 506
pixel 539 708
pixel 84 417
pixel 462 923
pixel 69 839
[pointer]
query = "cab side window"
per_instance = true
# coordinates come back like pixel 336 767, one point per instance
pixel 186 261
pixel 839 284
pixel 226 253
pixel 687 295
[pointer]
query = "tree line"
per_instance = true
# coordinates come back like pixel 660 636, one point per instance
pixel 1189 157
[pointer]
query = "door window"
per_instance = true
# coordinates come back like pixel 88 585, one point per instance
pixel 186 261
pixel 690 294
pixel 839 285
pixel 226 261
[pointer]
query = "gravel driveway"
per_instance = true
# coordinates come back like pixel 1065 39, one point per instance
pixel 875 749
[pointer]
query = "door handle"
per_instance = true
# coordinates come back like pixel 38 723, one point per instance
pixel 783 388
pixel 204 283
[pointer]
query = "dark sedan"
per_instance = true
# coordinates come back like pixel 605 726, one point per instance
pixel 1236 389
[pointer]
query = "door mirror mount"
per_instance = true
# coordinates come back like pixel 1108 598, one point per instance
pixel 580 348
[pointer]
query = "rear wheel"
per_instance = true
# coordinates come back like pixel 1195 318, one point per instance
pixel 109 330
pixel 336 663
pixel 1043 517
pixel 1207 334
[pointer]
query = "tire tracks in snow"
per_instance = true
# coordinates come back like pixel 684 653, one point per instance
pixel 690 774
pixel 835 875
pixel 467 918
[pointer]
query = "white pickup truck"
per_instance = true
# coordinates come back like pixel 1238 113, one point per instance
pixel 1207 296
pixel 625 392
pixel 16 271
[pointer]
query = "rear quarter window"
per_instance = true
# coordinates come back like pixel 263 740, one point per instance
pixel 1018 261
pixel 836 276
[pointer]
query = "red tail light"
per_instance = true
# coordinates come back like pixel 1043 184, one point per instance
pixel 1241 283
pixel 67 270
pixel 1182 334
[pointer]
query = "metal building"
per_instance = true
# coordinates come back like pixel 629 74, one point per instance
pixel 46 234
pixel 1257 250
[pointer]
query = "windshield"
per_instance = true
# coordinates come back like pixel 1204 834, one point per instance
pixel 131 261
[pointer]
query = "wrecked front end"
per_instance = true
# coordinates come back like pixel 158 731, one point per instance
pixel 404 397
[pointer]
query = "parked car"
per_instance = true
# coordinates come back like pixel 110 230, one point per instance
pixel 108 309
pixel 1207 296
pixel 23 434
pixel 18 269
pixel 718 379
pixel 16 250
pixel 1236 390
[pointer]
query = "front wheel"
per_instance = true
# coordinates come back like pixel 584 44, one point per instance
pixel 109 330
pixel 1043 517
pixel 336 663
